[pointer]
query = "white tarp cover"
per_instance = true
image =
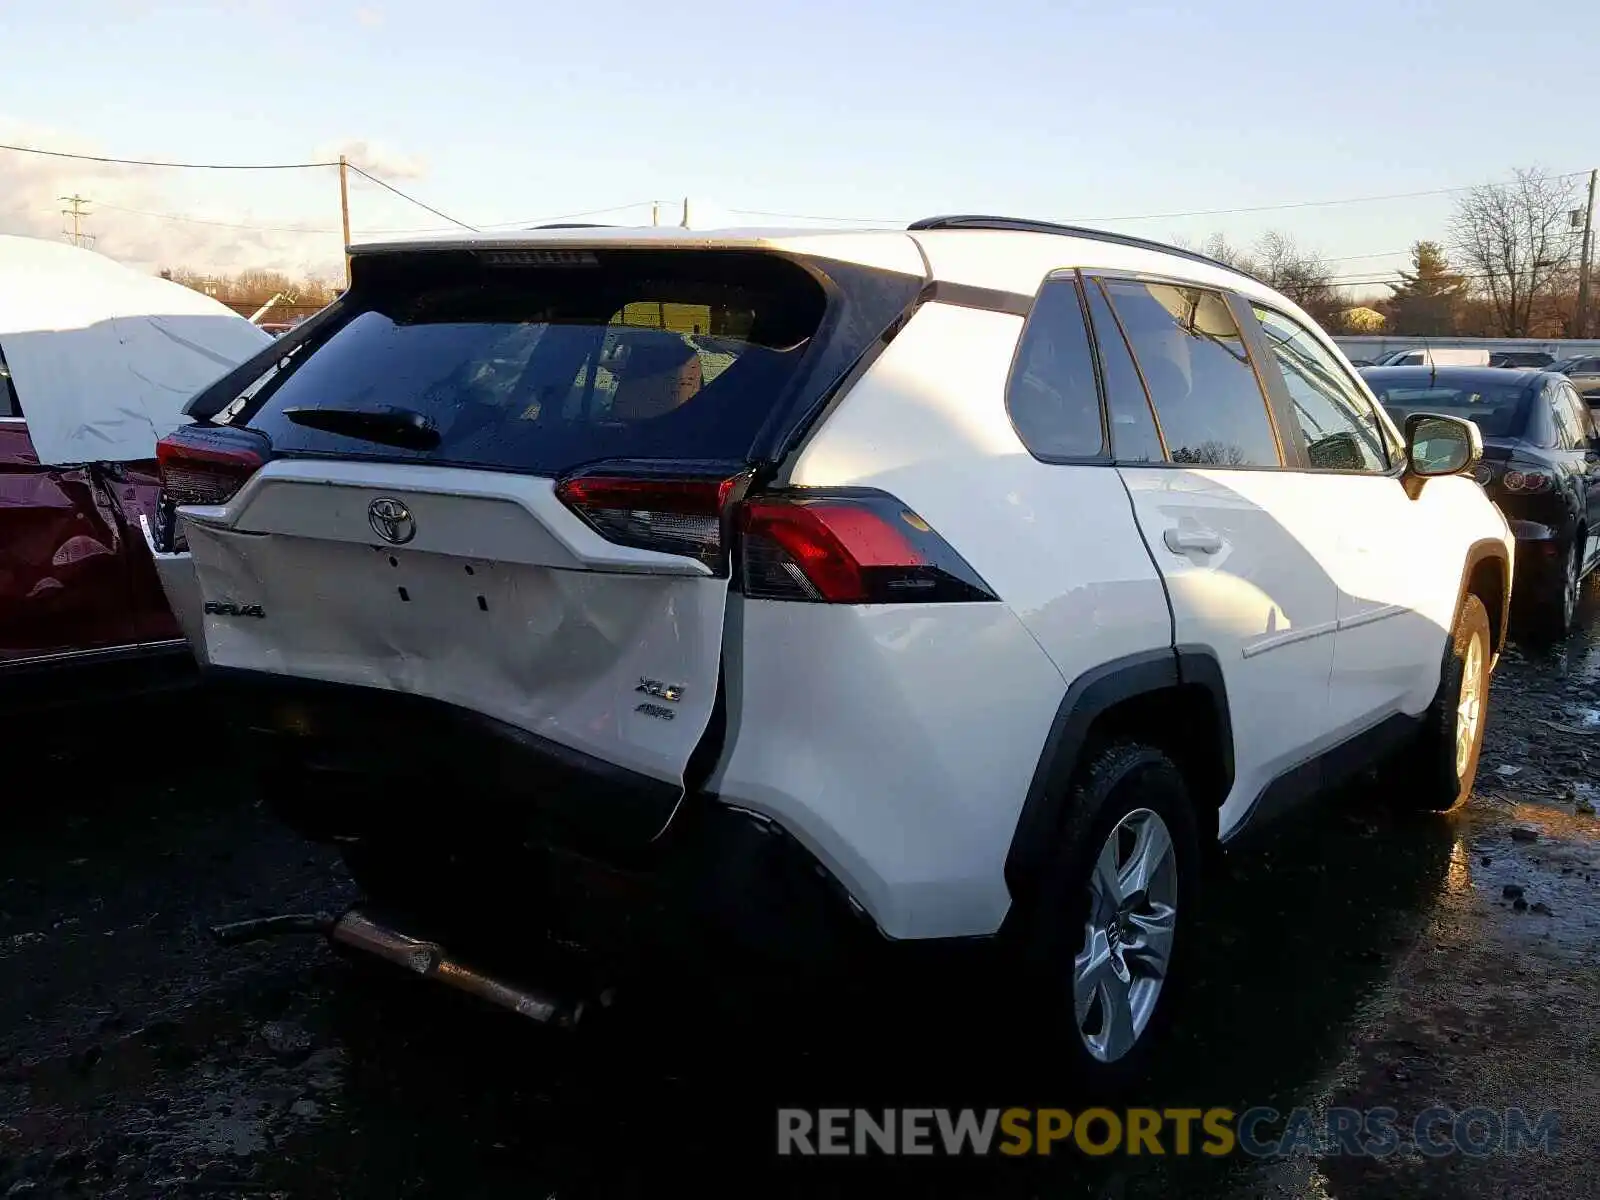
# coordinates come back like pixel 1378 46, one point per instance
pixel 103 358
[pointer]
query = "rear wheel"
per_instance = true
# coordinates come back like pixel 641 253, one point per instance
pixel 1556 611
pixel 1437 771
pixel 1108 938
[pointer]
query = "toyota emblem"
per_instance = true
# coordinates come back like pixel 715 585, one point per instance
pixel 391 520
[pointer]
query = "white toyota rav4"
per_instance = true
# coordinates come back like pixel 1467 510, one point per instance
pixel 811 591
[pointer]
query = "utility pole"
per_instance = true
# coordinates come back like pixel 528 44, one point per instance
pixel 655 212
pixel 344 213
pixel 1586 261
pixel 77 213
pixel 685 221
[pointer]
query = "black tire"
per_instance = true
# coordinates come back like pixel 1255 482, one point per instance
pixel 1431 776
pixel 1118 781
pixel 1554 613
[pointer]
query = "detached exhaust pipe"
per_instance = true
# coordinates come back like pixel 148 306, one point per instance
pixel 428 959
pixel 358 931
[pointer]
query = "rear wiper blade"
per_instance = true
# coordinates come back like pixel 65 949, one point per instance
pixel 401 427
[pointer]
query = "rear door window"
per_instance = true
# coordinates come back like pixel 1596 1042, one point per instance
pixel 1195 365
pixel 1134 438
pixel 540 368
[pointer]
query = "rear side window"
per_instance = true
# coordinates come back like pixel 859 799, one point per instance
pixel 1499 411
pixel 1571 433
pixel 1133 427
pixel 1584 414
pixel 8 392
pixel 1052 395
pixel 540 362
pixel 1194 362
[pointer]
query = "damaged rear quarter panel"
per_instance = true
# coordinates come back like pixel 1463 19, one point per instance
pixel 63 576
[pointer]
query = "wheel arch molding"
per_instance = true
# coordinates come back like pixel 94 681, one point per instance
pixel 1487 552
pixel 1177 675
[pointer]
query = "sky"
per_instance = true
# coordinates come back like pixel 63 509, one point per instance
pixel 511 113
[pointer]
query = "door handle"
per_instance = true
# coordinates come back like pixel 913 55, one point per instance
pixel 1192 541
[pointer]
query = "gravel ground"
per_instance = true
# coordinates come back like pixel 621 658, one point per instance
pixel 1363 961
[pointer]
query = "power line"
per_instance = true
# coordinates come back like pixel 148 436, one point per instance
pixel 1222 212
pixel 412 199
pixel 328 230
pixel 592 212
pixel 139 212
pixel 787 216
pixel 1167 216
pixel 188 166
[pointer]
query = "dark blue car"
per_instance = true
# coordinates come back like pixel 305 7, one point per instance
pixel 1541 465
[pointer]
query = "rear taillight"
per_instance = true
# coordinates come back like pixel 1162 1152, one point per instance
pixel 672 515
pixel 848 548
pixel 203 464
pixel 1528 481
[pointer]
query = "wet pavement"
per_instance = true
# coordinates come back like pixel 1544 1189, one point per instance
pixel 1364 960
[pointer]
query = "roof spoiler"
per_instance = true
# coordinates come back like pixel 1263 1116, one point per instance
pixel 215 397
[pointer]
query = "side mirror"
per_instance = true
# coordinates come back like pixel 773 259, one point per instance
pixel 1438 445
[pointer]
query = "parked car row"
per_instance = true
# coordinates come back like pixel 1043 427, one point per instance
pixel 1541 466
pixel 1582 369
pixel 96 363
pixel 986 578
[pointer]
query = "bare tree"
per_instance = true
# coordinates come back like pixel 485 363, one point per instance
pixel 1300 274
pixel 1279 261
pixel 1516 239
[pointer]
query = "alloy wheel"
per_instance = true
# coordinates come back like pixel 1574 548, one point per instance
pixel 1118 975
pixel 1469 707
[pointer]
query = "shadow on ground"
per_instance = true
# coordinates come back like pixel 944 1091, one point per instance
pixel 1362 959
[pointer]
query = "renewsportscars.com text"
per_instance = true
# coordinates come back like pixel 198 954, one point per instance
pixel 1214 1132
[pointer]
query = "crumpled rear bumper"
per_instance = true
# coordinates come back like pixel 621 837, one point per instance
pixel 488 828
pixel 182 588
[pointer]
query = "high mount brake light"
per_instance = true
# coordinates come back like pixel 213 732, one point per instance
pixel 668 515
pixel 848 548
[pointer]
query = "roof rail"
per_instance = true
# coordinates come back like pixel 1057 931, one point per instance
pixel 572 225
pixel 1023 225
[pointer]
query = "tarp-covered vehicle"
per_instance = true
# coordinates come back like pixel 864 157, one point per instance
pixel 96 363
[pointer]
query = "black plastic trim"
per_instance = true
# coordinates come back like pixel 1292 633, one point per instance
pixel 1024 225
pixel 1480 552
pixel 964 295
pixel 376 749
pixel 211 400
pixel 1338 764
pixel 1092 694
pixel 1198 667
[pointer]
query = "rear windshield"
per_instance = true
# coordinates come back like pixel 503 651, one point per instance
pixel 538 366
pixel 1498 412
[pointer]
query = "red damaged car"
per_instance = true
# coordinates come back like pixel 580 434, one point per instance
pixel 96 364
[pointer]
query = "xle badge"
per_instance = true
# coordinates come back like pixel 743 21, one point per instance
pixel 219 608
pixel 661 691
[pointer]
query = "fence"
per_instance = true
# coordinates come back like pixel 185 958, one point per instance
pixel 1370 346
